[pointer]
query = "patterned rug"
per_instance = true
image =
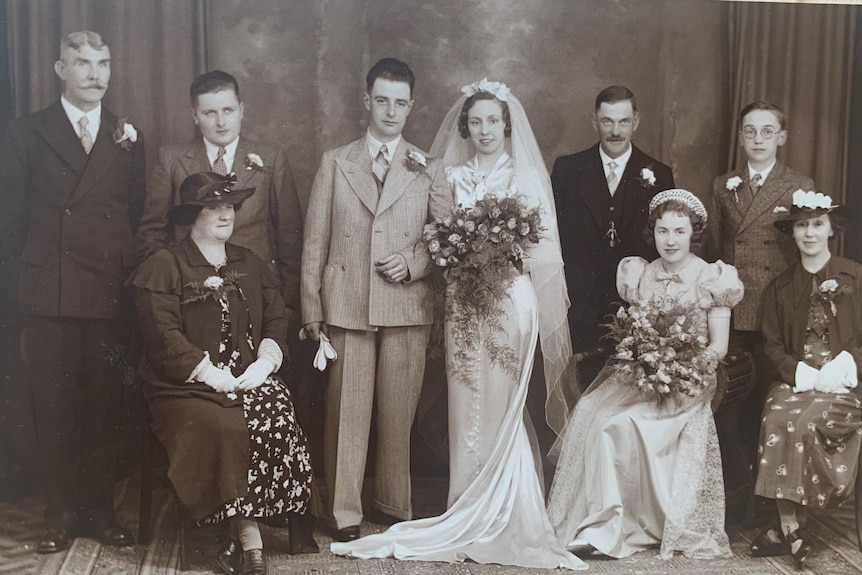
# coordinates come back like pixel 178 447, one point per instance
pixel 836 551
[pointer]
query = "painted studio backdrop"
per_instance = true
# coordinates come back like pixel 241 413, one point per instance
pixel 301 66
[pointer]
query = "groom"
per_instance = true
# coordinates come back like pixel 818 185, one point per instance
pixel 363 264
pixel 602 196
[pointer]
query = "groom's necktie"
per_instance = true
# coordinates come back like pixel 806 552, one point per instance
pixel 86 138
pixel 613 180
pixel 219 166
pixel 380 167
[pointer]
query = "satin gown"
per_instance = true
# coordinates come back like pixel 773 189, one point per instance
pixel 496 511
pixel 633 473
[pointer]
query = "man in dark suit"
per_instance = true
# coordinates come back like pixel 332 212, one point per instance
pixel 73 185
pixel 602 196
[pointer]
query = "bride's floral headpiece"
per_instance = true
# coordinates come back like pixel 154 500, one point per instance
pixel 684 197
pixel 499 89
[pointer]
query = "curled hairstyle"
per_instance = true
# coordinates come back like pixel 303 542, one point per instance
pixel 186 214
pixel 76 40
pixel 763 105
pixel 698 224
pixel 614 94
pixel 464 116
pixel 213 81
pixel 390 69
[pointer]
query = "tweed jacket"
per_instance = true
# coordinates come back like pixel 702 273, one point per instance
pixel 785 316
pixel 349 227
pixel 68 218
pixel 743 230
pixel 269 222
pixel 580 194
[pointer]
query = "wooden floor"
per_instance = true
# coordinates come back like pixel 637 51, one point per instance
pixel 836 551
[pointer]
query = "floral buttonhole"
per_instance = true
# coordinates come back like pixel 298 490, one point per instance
pixel 124 134
pixel 647 177
pixel 416 161
pixel 732 185
pixel 253 162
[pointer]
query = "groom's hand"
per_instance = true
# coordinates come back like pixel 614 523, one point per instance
pixel 314 329
pixel 393 268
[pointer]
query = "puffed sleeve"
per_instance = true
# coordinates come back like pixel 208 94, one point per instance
pixel 629 274
pixel 158 291
pixel 720 289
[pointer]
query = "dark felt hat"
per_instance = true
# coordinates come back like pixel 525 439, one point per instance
pixel 211 189
pixel 805 206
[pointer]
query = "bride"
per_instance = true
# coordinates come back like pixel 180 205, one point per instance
pixel 496 510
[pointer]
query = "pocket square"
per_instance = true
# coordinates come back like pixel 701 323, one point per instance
pixel 779 210
pixel 325 352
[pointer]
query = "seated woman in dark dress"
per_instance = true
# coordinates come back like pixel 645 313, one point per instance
pixel 214 328
pixel 812 419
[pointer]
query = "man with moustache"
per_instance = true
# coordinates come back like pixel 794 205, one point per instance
pixel 363 285
pixel 602 196
pixel 73 188
pixel 269 222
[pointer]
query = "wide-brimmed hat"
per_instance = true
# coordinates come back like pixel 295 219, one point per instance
pixel 211 189
pixel 805 206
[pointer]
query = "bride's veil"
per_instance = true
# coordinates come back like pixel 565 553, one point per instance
pixel 545 261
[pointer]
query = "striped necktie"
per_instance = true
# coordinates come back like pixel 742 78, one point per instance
pixel 613 181
pixel 380 166
pixel 86 138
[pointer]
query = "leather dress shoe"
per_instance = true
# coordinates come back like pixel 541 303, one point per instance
pixel 56 539
pixel 347 534
pixel 381 518
pixel 253 562
pixel 228 557
pixel 112 533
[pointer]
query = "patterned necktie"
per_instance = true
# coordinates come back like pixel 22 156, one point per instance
pixel 613 181
pixel 380 166
pixel 219 166
pixel 756 183
pixel 86 138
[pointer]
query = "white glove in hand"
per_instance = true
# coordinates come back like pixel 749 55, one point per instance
pixel 255 374
pixel 805 377
pixel 325 351
pixel 220 380
pixel 837 375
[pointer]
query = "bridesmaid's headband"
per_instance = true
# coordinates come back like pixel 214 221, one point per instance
pixel 684 197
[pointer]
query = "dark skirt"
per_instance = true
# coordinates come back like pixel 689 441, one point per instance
pixel 250 459
pixel 809 446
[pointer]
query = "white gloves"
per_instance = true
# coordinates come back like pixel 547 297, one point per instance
pixel 325 351
pixel 839 375
pixel 220 380
pixel 805 377
pixel 255 374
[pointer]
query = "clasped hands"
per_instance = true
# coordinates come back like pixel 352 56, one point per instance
pixel 223 381
pixel 839 375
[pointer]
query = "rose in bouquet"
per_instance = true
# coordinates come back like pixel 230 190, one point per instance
pixel 663 348
pixel 481 249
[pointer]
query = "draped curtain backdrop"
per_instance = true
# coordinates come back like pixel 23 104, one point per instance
pixel 800 57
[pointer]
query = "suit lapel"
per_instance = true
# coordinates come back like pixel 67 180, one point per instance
pixel 398 178
pixel 631 186
pixel 62 138
pixel 357 170
pixel 766 198
pixel 102 156
pixel 596 185
pixel 195 160
pixel 243 175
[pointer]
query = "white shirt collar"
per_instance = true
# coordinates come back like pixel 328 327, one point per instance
pixel 621 161
pixel 229 153
pixel 763 173
pixel 374 146
pixel 94 117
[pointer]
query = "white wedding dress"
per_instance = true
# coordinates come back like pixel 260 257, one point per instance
pixel 496 508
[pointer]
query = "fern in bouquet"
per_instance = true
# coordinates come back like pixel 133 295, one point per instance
pixel 481 249
pixel 661 346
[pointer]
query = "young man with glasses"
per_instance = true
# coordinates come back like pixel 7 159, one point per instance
pixel 745 203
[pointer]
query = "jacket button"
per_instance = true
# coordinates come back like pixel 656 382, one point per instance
pixel 108 215
pixel 68 212
pixel 612 208
pixel 346 234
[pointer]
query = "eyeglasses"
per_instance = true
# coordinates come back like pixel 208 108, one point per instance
pixel 766 132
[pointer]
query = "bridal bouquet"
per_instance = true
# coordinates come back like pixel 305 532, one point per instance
pixel 662 346
pixel 481 248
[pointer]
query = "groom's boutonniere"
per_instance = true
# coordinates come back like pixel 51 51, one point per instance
pixel 647 177
pixel 253 162
pixel 732 185
pixel 124 134
pixel 416 162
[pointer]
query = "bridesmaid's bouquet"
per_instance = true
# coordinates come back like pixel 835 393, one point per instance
pixel 481 248
pixel 661 345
